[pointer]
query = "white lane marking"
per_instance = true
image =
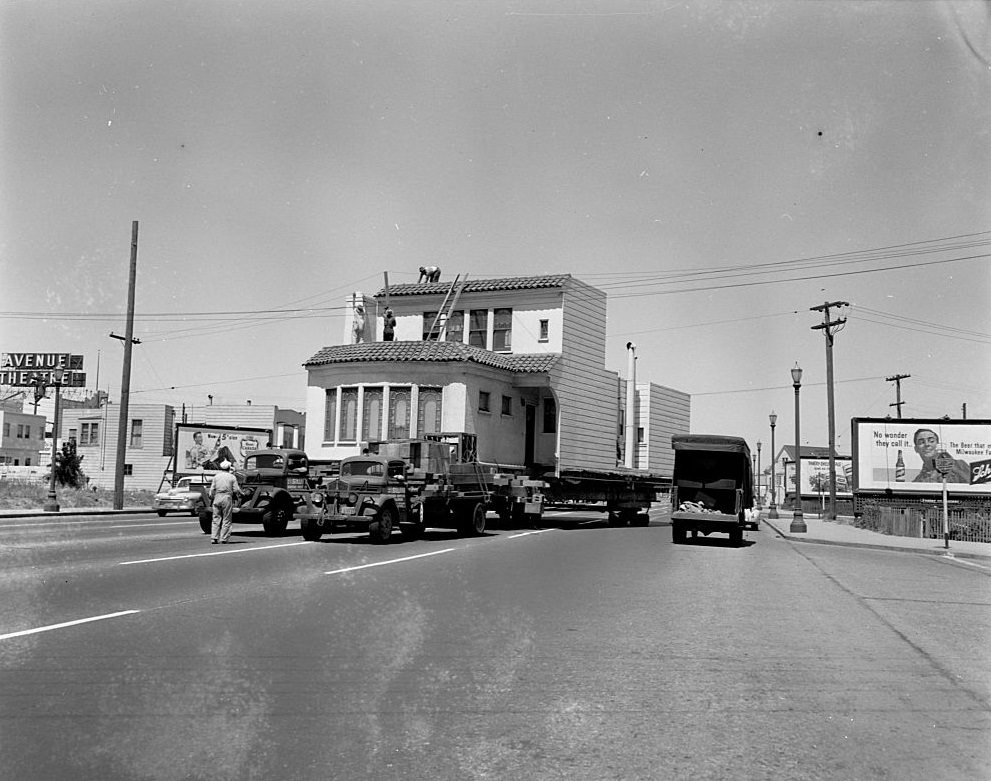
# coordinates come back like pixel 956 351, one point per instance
pixel 64 624
pixel 390 561
pixel 524 534
pixel 213 553
pixel 961 561
pixel 153 523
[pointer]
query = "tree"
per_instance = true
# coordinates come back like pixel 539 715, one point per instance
pixel 68 465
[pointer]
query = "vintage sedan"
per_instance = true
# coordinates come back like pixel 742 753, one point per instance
pixel 188 495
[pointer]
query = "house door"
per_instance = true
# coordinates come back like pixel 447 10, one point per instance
pixel 530 435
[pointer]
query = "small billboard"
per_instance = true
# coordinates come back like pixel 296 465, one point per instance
pixel 202 448
pixel 815 476
pixel 912 455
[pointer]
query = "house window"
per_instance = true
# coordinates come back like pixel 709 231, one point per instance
pixel 6 429
pixel 72 435
pixel 349 415
pixel 428 320
pixel 371 414
pixel 550 416
pixel 20 431
pixel 483 401
pixel 27 462
pixel 128 470
pixel 502 330
pixel 507 405
pixel 544 331
pixel 639 435
pixel 90 434
pixel 428 412
pixel 399 417
pixel 456 327
pixel 136 428
pixel 330 415
pixel 478 326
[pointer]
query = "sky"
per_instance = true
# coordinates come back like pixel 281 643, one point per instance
pixel 717 168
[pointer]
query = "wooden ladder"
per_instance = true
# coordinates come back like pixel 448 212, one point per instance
pixel 438 328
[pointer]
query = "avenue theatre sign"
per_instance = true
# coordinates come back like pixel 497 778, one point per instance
pixel 26 369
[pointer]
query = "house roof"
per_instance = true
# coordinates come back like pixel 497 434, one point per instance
pixel 371 352
pixel 478 285
pixel 808 451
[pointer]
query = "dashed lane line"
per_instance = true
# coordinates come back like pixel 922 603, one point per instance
pixel 213 553
pixel 65 624
pixel 390 561
pixel 526 534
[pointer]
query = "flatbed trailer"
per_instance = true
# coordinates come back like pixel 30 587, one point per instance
pixel 626 494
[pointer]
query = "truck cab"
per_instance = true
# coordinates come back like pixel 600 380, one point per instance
pixel 712 486
pixel 275 488
pixel 372 492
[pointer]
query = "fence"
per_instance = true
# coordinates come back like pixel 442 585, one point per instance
pixel 966 522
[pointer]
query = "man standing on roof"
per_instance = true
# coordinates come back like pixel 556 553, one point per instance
pixel 429 274
pixel 388 326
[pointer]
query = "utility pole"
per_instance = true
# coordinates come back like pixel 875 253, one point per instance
pixel 830 329
pixel 897 379
pixel 125 381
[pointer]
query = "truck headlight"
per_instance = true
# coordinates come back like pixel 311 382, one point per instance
pixel 316 499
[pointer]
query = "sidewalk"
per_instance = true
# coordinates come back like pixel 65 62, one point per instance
pixel 70 511
pixel 843 532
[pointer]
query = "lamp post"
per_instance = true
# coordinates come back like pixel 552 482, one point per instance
pixel 51 504
pixel 758 473
pixel 773 513
pixel 797 521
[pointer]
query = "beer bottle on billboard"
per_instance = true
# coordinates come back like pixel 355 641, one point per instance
pixel 900 468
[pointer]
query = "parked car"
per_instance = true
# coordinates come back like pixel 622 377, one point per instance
pixel 188 495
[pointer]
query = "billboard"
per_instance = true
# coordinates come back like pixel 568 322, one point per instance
pixel 815 476
pixel 203 448
pixel 911 455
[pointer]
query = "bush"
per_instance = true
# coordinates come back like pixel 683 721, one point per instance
pixel 68 465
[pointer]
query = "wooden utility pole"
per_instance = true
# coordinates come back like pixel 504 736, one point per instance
pixel 125 380
pixel 897 379
pixel 830 328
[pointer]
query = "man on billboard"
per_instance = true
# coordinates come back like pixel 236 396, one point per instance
pixel 199 456
pixel 927 446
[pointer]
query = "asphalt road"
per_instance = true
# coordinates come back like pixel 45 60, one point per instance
pixel 130 648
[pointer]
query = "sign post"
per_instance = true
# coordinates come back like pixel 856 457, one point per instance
pixel 943 464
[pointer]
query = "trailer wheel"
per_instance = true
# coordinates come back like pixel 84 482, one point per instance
pixel 380 530
pixel 312 531
pixel 206 521
pixel 275 519
pixel 678 533
pixel 473 524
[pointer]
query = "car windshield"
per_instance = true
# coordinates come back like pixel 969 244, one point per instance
pixel 184 485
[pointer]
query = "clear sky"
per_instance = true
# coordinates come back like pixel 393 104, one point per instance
pixel 717 167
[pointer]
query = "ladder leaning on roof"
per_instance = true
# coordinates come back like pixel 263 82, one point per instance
pixel 438 328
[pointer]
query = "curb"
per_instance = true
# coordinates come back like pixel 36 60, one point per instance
pixel 935 551
pixel 69 511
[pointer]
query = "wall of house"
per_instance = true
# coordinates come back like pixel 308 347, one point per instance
pixel 148 462
pixel 663 412
pixel 586 392
pixel 23 438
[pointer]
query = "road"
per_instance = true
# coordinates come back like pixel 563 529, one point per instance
pixel 130 648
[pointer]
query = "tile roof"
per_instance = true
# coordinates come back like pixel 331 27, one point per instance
pixel 477 285
pixel 431 351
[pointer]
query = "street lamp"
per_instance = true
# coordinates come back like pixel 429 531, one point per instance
pixel 51 504
pixel 797 521
pixel 773 513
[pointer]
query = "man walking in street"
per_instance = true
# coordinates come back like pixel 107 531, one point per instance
pixel 223 489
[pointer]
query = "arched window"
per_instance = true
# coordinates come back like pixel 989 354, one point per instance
pixel 428 419
pixel 399 403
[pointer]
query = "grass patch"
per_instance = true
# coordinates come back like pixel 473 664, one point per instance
pixel 32 495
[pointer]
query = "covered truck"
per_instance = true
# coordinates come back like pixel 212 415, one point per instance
pixel 712 486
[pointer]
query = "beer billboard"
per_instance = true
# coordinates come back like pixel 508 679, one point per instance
pixel 914 455
pixel 203 448
pixel 815 476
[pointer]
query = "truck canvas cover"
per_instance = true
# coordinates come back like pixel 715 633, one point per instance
pixel 710 442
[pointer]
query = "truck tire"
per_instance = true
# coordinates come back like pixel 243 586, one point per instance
pixel 312 531
pixel 206 521
pixel 163 513
pixel 736 535
pixel 275 519
pixel 380 530
pixel 677 533
pixel 473 521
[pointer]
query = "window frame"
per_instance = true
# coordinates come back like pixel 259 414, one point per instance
pixel 484 401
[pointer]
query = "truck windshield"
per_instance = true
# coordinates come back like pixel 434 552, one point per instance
pixel 264 461
pixel 356 468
